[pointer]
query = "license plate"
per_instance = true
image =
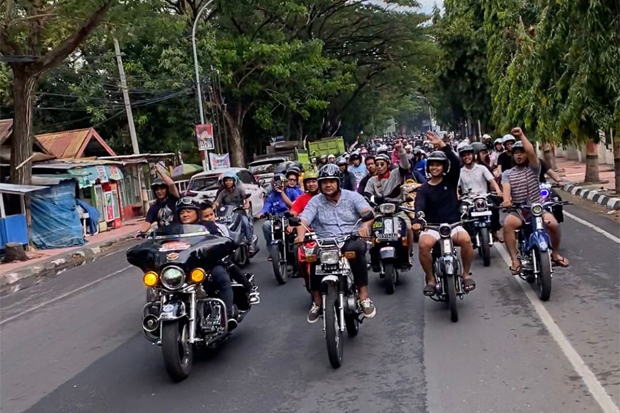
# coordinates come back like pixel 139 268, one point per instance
pixel 387 236
pixel 481 213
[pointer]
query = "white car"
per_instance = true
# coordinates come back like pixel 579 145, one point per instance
pixel 206 184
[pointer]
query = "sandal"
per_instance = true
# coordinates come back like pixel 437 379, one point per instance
pixel 430 290
pixel 469 285
pixel 560 262
pixel 515 271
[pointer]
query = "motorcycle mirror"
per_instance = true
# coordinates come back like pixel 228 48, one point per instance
pixel 294 221
pixel 367 216
pixel 420 215
pixel 247 196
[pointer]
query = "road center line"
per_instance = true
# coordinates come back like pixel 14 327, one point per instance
pixel 592 226
pixel 594 386
pixel 60 297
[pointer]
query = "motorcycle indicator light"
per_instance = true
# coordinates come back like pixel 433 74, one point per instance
pixel 150 279
pixel 311 258
pixel 197 275
pixel 350 255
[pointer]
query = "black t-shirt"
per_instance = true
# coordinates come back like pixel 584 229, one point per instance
pixel 505 161
pixel 543 170
pixel 163 212
pixel 440 203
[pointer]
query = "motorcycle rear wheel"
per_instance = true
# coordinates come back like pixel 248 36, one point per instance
pixel 177 351
pixel 485 246
pixel 543 281
pixel 279 265
pixel 333 335
pixel 450 284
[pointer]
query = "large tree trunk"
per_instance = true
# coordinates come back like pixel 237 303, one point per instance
pixel 234 121
pixel 591 162
pixel 616 140
pixel 549 156
pixel 23 92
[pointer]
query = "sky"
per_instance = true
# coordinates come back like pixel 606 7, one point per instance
pixel 427 5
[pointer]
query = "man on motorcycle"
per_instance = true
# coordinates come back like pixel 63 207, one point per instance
pixel 439 202
pixel 521 186
pixel 189 211
pixel 505 160
pixel 163 210
pixel 334 213
pixel 347 178
pixel 369 161
pixel 475 179
pixel 232 194
pixel 357 168
pixel 278 201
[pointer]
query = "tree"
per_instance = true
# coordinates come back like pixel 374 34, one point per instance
pixel 35 37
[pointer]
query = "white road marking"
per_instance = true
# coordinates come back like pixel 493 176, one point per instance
pixel 60 297
pixel 594 386
pixel 592 226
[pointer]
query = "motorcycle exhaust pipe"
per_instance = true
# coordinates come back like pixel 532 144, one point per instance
pixel 150 323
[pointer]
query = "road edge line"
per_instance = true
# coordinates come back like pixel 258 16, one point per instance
pixel 595 387
pixel 60 297
pixel 593 227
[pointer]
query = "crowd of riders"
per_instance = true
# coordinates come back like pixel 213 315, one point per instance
pixel 330 194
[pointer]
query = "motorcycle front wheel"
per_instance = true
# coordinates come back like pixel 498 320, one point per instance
pixel 543 280
pixel 177 351
pixel 333 335
pixel 279 264
pixel 485 246
pixel 450 285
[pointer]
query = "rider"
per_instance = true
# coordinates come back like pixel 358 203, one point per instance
pixel 499 148
pixel 331 158
pixel 346 177
pixel 475 179
pixel 521 186
pixel 293 188
pixel 357 168
pixel 419 161
pixel 372 171
pixel 167 195
pixel 233 194
pixel 189 212
pixel 332 214
pixel 438 200
pixel 505 160
pixel 311 186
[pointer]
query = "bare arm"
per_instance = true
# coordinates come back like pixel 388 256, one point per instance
pixel 172 189
pixel 145 227
pixel 496 187
pixel 527 146
pixel 554 175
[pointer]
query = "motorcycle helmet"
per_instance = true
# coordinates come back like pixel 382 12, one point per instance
pixel 293 170
pixel 508 138
pixel 355 156
pixel 383 157
pixel 518 145
pixel 438 156
pixel 341 162
pixel 323 158
pixel 311 174
pixel 158 183
pixel 498 140
pixel 229 175
pixel 188 202
pixel 329 171
pixel 479 147
pixel 331 156
pixel 382 149
pixel 465 148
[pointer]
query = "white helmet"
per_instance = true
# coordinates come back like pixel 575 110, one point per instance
pixel 408 147
pixel 331 156
pixel 508 138
pixel 382 148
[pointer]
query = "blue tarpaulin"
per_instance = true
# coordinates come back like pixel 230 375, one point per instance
pixel 55 219
pixel 93 216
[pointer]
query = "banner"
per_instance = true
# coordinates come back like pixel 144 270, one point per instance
pixel 204 133
pixel 219 161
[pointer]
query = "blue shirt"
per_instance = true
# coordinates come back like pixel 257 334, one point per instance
pixel 358 171
pixel 334 220
pixel 274 204
pixel 420 166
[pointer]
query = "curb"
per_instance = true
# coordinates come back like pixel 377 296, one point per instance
pixel 593 195
pixel 62 262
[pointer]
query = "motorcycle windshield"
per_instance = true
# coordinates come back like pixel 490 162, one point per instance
pixel 180 230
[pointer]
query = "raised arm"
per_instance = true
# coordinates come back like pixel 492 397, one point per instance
pixel 172 189
pixel 527 146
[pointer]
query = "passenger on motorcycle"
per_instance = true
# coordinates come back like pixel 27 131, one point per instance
pixel 334 213
pixel 278 201
pixel 419 161
pixel 521 186
pixel 357 168
pixel 369 161
pixel 439 201
pixel 331 158
pixel 498 149
pixel 189 212
pixel 163 210
pixel 505 160
pixel 346 177
pixel 232 194
pixel 475 179
pixel 311 186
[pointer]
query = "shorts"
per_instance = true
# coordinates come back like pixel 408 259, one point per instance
pixel 436 235
pixel 526 215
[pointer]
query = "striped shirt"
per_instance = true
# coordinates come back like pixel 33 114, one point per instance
pixel 524 185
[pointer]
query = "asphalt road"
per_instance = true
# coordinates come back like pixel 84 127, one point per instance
pixel 63 350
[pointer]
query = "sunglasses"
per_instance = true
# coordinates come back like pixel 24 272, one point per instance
pixel 380 164
pixel 292 179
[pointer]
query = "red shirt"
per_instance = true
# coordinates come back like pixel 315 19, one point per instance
pixel 300 203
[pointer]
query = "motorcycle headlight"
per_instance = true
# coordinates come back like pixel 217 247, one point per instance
pixel 445 230
pixel 387 208
pixel 480 204
pixel 330 257
pixel 537 209
pixel 172 278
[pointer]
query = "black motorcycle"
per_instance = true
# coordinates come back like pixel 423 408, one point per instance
pixel 389 253
pixel 476 209
pixel 232 217
pixel 341 308
pixel 185 312
pixel 281 249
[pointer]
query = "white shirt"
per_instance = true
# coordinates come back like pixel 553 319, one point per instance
pixel 475 179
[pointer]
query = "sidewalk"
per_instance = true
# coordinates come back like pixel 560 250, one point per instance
pixel 603 193
pixel 47 262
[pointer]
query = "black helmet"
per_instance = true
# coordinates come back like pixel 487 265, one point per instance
pixel 294 170
pixel 355 156
pixel 158 183
pixel 438 156
pixel 465 148
pixel 479 147
pixel 517 145
pixel 342 162
pixel 187 202
pixel 329 171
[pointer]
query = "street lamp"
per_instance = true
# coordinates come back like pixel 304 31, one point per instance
pixel 196 69
pixel 430 116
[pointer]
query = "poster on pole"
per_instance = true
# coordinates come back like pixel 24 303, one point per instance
pixel 204 133
pixel 219 161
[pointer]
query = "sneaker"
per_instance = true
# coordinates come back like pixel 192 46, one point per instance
pixel 254 296
pixel 368 308
pixel 314 314
pixel 232 324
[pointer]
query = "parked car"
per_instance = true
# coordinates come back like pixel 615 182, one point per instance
pixel 263 169
pixel 206 184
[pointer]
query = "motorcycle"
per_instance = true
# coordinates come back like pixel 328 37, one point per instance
pixel 341 309
pixel 548 194
pixel 185 313
pixel 306 257
pixel 281 249
pixel 534 246
pixel 477 210
pixel 447 267
pixel 389 252
pixel 230 216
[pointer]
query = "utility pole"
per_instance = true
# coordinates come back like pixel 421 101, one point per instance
pixel 132 127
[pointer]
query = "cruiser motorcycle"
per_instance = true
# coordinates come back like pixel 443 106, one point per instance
pixel 184 313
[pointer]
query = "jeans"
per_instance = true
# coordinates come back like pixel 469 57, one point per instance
pixel 359 266
pixel 247 228
pixel 238 276
pixel 267 233
pixel 221 279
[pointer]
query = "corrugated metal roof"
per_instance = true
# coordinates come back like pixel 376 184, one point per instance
pixel 19 189
pixel 65 144
pixel 6 127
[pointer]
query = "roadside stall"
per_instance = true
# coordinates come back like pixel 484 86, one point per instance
pixel 13 226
